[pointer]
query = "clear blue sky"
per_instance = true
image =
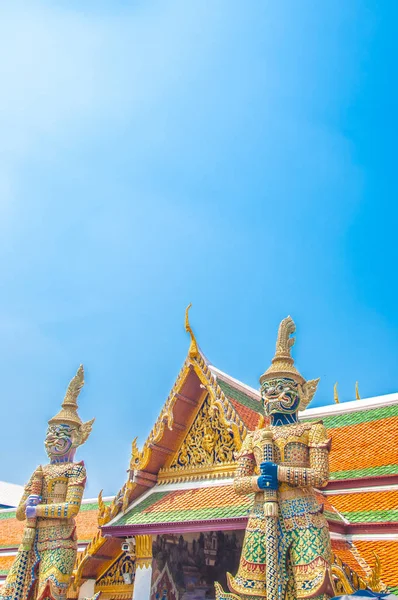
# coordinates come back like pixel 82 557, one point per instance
pixel 237 155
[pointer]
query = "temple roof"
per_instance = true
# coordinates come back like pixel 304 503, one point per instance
pixel 203 507
pixel 371 506
pixel 364 442
pixel 387 551
pixel 363 459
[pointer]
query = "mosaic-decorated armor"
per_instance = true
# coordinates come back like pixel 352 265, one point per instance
pixel 304 552
pixel 50 503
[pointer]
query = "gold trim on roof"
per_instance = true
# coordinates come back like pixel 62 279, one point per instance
pixel 227 415
pixel 197 473
pixel 84 556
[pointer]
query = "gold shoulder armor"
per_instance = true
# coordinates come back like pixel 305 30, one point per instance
pixel 318 436
pixel 247 446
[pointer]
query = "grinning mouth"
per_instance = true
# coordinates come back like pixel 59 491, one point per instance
pixel 57 445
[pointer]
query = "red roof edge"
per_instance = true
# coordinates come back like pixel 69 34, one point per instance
pixel 234 523
pixel 185 527
pixel 359 482
pixel 371 528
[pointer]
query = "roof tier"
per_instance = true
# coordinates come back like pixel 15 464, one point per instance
pixel 198 506
pixel 387 551
pixel 368 506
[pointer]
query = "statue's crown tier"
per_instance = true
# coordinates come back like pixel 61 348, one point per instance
pixel 68 413
pixel 283 364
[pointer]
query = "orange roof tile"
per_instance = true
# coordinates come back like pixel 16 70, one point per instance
pixel 365 501
pixel 329 509
pixel 388 554
pixel 198 504
pixel 349 555
pixel 362 445
pixel 5 563
pixel 11 529
pixel 207 497
pixel 248 416
pixel 87 524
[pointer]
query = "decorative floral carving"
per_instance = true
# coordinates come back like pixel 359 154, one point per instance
pixel 116 573
pixel 208 442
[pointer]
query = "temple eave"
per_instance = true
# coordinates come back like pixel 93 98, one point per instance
pixel 234 523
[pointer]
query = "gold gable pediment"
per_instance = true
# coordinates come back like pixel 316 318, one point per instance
pixel 117 581
pixel 207 449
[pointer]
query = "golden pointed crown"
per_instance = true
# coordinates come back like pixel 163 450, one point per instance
pixel 68 413
pixel 283 364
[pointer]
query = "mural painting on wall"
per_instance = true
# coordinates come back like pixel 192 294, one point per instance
pixel 194 562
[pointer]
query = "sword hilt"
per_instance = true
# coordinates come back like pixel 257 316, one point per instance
pixel 35 489
pixel 269 456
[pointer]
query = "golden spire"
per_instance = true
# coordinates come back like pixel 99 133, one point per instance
pixel 193 348
pixel 68 413
pixel 336 394
pixel 357 396
pixel 283 363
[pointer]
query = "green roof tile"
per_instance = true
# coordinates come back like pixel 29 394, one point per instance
pixel 332 516
pixel 141 515
pixel 365 472
pixel 361 416
pixel 93 505
pixel 240 396
pixel 8 515
pixel 372 516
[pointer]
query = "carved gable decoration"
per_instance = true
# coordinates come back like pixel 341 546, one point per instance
pixel 120 574
pixel 209 442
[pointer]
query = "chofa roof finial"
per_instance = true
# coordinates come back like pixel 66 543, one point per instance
pixel 193 348
pixel 336 394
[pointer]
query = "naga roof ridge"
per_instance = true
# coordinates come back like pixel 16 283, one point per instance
pixel 236 383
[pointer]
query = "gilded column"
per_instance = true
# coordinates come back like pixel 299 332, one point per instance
pixel 143 567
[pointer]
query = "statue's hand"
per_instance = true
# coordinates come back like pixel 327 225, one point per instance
pixel 33 500
pixel 30 505
pixel 269 476
pixel 30 512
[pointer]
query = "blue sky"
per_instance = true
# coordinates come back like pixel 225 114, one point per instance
pixel 237 155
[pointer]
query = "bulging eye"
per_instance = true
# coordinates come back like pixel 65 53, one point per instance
pixel 280 388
